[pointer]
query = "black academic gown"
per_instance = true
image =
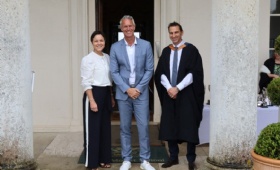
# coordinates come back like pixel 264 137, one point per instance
pixel 181 117
pixel 264 79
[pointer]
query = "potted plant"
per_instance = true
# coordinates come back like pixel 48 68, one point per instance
pixel 266 153
pixel 273 91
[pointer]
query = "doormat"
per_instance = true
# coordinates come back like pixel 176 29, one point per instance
pixel 158 155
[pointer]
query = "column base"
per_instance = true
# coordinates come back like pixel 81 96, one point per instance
pixel 29 165
pixel 211 165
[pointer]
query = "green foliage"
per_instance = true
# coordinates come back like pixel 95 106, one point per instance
pixel 273 91
pixel 277 45
pixel 268 143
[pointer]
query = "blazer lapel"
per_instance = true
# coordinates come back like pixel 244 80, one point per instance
pixel 124 53
pixel 137 52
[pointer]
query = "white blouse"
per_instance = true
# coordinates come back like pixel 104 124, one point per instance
pixel 95 71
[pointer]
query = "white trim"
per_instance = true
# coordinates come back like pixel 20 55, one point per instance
pixel 86 121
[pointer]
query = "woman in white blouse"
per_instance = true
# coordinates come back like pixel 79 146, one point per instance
pixel 97 104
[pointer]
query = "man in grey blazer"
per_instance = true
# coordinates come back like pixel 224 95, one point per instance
pixel 131 66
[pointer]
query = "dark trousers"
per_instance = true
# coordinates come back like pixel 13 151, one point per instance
pixel 174 150
pixel 97 128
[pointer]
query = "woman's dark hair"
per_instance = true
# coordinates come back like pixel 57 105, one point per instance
pixel 96 33
pixel 173 24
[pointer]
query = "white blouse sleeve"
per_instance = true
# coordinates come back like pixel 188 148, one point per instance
pixel 86 74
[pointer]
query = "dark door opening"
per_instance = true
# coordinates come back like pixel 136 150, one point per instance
pixel 108 15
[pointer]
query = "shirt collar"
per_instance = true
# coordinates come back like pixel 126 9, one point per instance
pixel 135 42
pixel 181 43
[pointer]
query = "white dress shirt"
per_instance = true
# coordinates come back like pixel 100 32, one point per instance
pixel 131 57
pixel 95 71
pixel 188 79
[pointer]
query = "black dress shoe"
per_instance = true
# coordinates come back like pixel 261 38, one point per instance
pixel 170 163
pixel 191 166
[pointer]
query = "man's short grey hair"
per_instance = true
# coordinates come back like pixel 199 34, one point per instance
pixel 127 17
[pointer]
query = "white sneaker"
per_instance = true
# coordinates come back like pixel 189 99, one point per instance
pixel 146 166
pixel 126 165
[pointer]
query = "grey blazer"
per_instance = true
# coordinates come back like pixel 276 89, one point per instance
pixel 120 68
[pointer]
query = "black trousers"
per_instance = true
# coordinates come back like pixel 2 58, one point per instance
pixel 97 128
pixel 174 150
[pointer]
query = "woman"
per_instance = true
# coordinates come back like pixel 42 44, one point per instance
pixel 269 71
pixel 97 104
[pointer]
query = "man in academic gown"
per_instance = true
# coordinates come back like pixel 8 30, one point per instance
pixel 181 94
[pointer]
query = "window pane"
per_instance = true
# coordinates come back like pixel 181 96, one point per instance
pixel 274 29
pixel 275 6
pixel 271 53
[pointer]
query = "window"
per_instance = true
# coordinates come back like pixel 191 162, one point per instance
pixel 274 24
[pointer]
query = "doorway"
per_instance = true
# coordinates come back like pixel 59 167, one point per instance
pixel 108 14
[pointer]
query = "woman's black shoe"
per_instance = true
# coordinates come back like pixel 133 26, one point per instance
pixel 170 163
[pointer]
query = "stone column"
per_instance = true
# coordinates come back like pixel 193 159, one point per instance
pixel 16 133
pixel 234 79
